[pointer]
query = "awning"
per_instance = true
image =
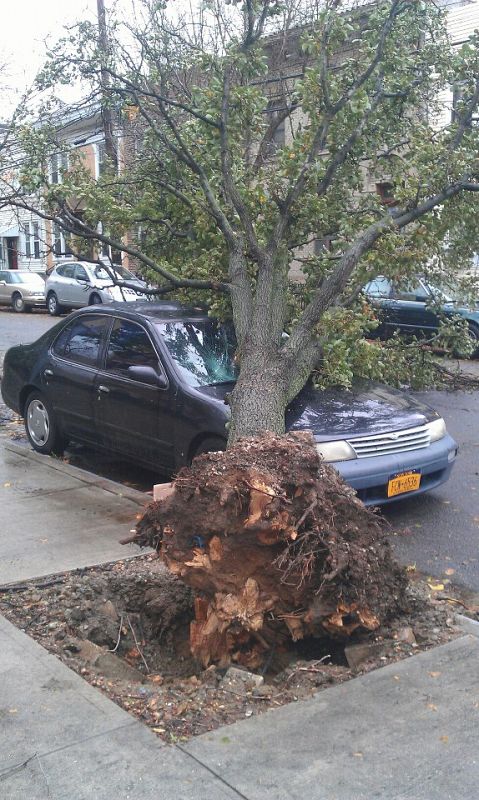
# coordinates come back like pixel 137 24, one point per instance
pixel 9 232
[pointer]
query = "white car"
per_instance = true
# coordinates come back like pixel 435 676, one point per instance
pixel 74 284
pixel 21 289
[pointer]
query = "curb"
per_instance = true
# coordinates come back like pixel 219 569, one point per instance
pixel 468 625
pixel 89 478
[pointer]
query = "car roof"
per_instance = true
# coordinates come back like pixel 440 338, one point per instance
pixel 152 311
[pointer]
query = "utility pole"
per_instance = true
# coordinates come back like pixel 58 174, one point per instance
pixel 110 148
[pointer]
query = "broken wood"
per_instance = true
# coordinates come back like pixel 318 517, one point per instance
pixel 276 547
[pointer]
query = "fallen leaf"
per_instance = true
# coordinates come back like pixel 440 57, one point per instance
pixel 449 571
pixel 432 707
pixel 436 587
pixel 411 568
pixel 396 677
pixel 358 754
pixel 434 674
pixel 159 730
pixel 7 485
pixel 444 739
pixel 12 710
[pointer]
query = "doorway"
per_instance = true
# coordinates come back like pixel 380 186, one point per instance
pixel 12 252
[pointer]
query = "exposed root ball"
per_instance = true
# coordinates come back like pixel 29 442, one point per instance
pixel 276 545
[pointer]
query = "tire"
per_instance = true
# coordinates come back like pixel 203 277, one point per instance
pixel 95 300
pixel 474 337
pixel 53 306
pixel 18 303
pixel 42 430
pixel 212 444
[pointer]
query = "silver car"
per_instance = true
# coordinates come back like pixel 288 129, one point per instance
pixel 21 289
pixel 74 284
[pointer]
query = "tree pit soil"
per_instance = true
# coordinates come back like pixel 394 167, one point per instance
pixel 124 628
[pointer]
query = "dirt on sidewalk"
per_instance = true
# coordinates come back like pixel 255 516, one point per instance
pixel 125 628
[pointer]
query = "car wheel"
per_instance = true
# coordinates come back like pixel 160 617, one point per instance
pixel 95 300
pixel 53 306
pixel 18 303
pixel 474 336
pixel 473 332
pixel 42 430
pixel 212 444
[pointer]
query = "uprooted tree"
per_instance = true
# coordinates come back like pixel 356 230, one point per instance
pixel 252 136
pixel 254 139
pixel 277 547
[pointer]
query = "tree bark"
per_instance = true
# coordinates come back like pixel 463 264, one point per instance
pixel 259 398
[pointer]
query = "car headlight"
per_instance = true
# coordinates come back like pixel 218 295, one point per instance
pixel 335 451
pixel 437 429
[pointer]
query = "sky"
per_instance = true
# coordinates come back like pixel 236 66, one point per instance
pixel 22 40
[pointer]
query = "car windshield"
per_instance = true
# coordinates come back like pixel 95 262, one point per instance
pixel 203 350
pixel 120 273
pixel 33 278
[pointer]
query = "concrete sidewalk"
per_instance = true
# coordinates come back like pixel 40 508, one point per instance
pixel 56 517
pixel 405 732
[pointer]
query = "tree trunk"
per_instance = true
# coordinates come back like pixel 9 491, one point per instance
pixel 259 398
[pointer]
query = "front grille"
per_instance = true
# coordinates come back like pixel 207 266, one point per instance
pixel 395 442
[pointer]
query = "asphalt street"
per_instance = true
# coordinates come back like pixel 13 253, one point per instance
pixel 436 532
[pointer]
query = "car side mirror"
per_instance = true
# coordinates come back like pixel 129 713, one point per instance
pixel 83 280
pixel 148 375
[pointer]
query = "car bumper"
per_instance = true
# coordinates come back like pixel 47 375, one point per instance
pixel 35 302
pixel 370 476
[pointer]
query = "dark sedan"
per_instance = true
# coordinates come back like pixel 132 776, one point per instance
pixel 417 309
pixel 149 382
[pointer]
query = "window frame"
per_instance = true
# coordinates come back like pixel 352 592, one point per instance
pixel 101 352
pixel 118 375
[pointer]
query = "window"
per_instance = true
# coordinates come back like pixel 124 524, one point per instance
pixel 81 274
pixel 413 291
pixel 379 287
pixel 32 240
pixel 58 164
pixel 101 158
pixel 66 271
pixel 28 240
pixel 61 242
pixel 203 351
pixel 81 341
pixel 461 96
pixel 385 191
pixel 2 257
pixel 36 240
pixel 129 346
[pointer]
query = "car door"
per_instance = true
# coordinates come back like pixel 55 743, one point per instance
pixel 412 310
pixel 135 417
pixel 75 357
pixel 5 289
pixel 81 287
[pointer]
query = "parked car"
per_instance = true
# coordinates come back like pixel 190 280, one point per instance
pixel 21 289
pixel 148 381
pixel 417 309
pixel 75 284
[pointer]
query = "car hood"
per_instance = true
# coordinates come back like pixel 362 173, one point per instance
pixel 367 409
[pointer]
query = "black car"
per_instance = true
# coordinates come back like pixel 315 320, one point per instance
pixel 417 309
pixel 149 381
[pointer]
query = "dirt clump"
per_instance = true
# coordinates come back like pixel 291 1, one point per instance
pixel 276 547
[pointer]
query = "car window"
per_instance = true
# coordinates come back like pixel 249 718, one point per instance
pixel 102 274
pixel 4 277
pixel 379 287
pixel 81 340
pixel 204 351
pixel 129 346
pixel 67 271
pixel 412 291
pixel 81 274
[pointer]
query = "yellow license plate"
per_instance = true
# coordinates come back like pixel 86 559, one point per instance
pixel 403 482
